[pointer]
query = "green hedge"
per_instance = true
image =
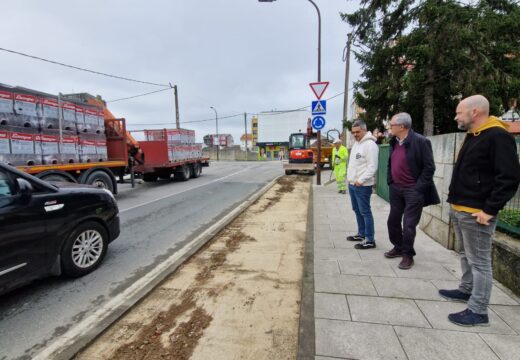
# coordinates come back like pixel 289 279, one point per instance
pixel 510 216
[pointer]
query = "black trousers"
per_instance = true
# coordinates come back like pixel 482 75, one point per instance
pixel 406 205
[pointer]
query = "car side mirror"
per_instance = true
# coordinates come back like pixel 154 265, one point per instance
pixel 25 188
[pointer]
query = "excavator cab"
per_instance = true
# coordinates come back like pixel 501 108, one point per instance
pixel 298 149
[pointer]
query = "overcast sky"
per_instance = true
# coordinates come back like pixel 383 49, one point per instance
pixel 235 55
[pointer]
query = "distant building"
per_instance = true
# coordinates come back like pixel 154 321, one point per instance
pixel 274 128
pixel 254 130
pixel 223 140
pixel 249 142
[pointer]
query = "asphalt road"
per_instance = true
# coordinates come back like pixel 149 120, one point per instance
pixel 156 220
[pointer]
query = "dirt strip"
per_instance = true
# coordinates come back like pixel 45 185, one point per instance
pixel 237 298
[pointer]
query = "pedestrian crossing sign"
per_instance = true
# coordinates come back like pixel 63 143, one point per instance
pixel 319 107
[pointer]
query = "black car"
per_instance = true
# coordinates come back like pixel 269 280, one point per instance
pixel 51 228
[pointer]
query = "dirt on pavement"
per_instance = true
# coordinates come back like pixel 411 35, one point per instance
pixel 237 298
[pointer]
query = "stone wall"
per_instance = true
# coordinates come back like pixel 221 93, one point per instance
pixel 435 219
pixel 230 154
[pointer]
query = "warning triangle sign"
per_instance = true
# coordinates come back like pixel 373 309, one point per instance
pixel 318 88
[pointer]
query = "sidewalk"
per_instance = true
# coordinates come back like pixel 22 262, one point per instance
pixel 367 308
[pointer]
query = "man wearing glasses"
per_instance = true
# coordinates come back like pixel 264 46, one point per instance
pixel 410 177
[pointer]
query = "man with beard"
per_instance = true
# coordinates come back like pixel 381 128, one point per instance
pixel 485 177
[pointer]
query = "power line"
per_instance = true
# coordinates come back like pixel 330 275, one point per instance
pixel 189 122
pixel 83 69
pixel 136 96
pixel 235 115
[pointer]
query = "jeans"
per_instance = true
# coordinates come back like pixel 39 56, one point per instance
pixel 360 198
pixel 406 205
pixel 475 261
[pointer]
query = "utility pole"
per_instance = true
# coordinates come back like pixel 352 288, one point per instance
pixel 318 133
pixel 245 128
pixel 177 120
pixel 346 58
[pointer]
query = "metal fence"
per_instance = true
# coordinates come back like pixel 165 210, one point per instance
pixel 509 217
pixel 381 183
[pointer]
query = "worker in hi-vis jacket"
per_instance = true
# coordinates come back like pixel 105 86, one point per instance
pixel 339 164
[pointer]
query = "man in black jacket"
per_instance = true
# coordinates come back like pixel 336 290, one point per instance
pixel 485 177
pixel 410 177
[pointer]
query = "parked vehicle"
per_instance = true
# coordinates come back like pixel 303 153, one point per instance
pixel 51 228
pixel 75 138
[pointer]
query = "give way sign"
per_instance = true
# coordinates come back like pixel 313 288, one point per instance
pixel 318 88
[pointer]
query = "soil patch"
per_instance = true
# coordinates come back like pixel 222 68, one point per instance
pixel 237 298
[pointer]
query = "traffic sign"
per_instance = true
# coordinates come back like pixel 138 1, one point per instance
pixel 318 88
pixel 319 107
pixel 318 122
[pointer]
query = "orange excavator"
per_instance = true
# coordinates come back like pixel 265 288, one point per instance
pixel 300 156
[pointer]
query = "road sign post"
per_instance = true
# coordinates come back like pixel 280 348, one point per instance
pixel 318 88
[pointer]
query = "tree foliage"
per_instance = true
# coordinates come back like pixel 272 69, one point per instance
pixel 423 56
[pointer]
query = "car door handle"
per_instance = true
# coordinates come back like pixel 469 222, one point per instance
pixel 51 208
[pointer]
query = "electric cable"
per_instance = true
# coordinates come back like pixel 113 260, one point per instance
pixel 83 69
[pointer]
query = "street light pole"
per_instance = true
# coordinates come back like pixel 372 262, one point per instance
pixel 318 169
pixel 218 138
pixel 318 162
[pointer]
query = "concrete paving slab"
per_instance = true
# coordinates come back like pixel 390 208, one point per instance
pixel 383 310
pixel 507 347
pixel 406 288
pixel 335 254
pixel 344 284
pixel 329 267
pixel 431 344
pixel 323 243
pixel 331 306
pixel 358 267
pixel 498 297
pixel 378 254
pixel 328 358
pixel 425 270
pixel 353 340
pixel 437 314
pixel 510 314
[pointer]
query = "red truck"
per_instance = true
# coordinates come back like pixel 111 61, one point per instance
pixel 104 148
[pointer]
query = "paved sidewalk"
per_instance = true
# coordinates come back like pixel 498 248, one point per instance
pixel 367 308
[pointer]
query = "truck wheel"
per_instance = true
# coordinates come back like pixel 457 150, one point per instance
pixel 100 179
pixel 288 172
pixel 196 170
pixel 183 174
pixel 149 177
pixel 84 249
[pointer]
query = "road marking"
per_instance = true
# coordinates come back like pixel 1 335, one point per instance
pixel 183 191
pixel 127 298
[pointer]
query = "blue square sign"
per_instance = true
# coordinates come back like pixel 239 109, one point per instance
pixel 319 107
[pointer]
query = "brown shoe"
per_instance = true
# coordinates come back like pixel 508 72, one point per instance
pixel 406 263
pixel 393 254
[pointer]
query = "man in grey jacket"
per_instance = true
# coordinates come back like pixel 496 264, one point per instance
pixel 361 172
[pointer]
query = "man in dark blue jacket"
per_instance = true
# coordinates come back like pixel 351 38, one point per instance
pixel 485 177
pixel 410 177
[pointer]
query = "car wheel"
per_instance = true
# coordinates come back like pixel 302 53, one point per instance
pixel 84 249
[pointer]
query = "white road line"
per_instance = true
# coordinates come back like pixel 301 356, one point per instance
pixel 183 191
